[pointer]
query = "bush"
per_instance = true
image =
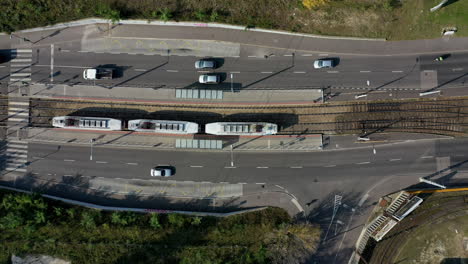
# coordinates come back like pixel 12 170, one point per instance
pixel 312 4
pixel 87 220
pixel 176 220
pixel 123 218
pixel 154 221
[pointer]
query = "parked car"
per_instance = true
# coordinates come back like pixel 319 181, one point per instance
pixel 324 63
pixel 162 171
pixel 205 64
pixel 209 79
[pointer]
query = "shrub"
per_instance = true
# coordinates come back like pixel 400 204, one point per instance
pixel 123 218
pixel 87 220
pixel 165 14
pixel 154 221
pixel 311 4
pixel 176 220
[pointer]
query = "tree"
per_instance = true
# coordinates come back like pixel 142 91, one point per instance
pixel 165 14
pixel 176 220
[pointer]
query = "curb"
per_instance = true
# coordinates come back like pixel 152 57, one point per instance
pixel 90 21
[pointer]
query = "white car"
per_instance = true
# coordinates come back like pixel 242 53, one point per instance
pixel 209 79
pixel 324 63
pixel 205 64
pixel 162 171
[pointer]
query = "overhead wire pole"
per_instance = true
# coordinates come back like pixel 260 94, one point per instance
pixel 51 62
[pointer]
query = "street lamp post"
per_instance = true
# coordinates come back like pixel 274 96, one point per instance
pixel 232 88
pixel 92 142
pixel 232 157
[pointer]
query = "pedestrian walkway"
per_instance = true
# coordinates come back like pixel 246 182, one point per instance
pixel 158 141
pixel 18 117
pixel 16 154
pixel 20 66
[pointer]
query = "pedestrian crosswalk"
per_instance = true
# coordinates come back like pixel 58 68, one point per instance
pixel 18 116
pixel 20 66
pixel 16 154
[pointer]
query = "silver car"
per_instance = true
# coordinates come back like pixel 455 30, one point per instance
pixel 324 63
pixel 205 64
pixel 162 171
pixel 209 79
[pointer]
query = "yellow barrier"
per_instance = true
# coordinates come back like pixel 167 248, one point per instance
pixel 440 190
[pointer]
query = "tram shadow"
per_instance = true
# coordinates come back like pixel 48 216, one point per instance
pixel 110 112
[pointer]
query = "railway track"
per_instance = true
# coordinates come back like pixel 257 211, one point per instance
pixel 448 116
pixel 388 248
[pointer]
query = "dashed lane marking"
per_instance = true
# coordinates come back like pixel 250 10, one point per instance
pixel 364 71
pixel 330 166
pixel 427 157
pixel 251 56
pixel 196 166
pixel 260 183
pixel 307 55
pixel 67 175
pixel 67 160
pixel 395 159
pixel 323 54
pixel 287 55
pixel 457 69
pixel 361 163
pixel 299 72
pixel 333 71
pixel 172 70
pixel 397 71
pixel 132 163
pixel 230 167
pixel 262 167
pixel 101 161
pixel 281 187
pixel 235 72
pixel 266 72
pixel 296 167
pixel 140 70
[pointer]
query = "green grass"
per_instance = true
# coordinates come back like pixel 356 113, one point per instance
pixel 391 19
pixel 415 21
pixel 33 225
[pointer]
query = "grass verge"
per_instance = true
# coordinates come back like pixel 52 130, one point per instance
pixel 391 19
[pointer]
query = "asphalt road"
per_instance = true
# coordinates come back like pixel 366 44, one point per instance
pixel 358 175
pixel 279 72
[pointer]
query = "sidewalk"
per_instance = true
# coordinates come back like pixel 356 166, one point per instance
pixel 158 141
pixel 252 37
pixel 176 95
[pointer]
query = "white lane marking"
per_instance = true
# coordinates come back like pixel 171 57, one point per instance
pixel 329 166
pixel 266 72
pixel 172 70
pixel 397 71
pixel 63 66
pixel 235 72
pixel 427 157
pixel 140 69
pixel 363 199
pixel 132 53
pixel 101 161
pixel 364 71
pixel 203 71
pixel 457 69
pixel 229 167
pixel 196 166
pixel 281 187
pixel 299 72
pixel 67 175
pixel 83 51
pixel 252 56
pixel 306 55
pixel 395 159
pixel 333 71
pixel 361 163
pixel 15 169
pixel 323 54
pixel 262 167
pixel 296 167
pixel 2 66
pixel 242 183
pixel 35 173
pixel 69 160
pixel 65 50
pixel 132 163
pixel 260 183
pixel 99 52
pixel 287 55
